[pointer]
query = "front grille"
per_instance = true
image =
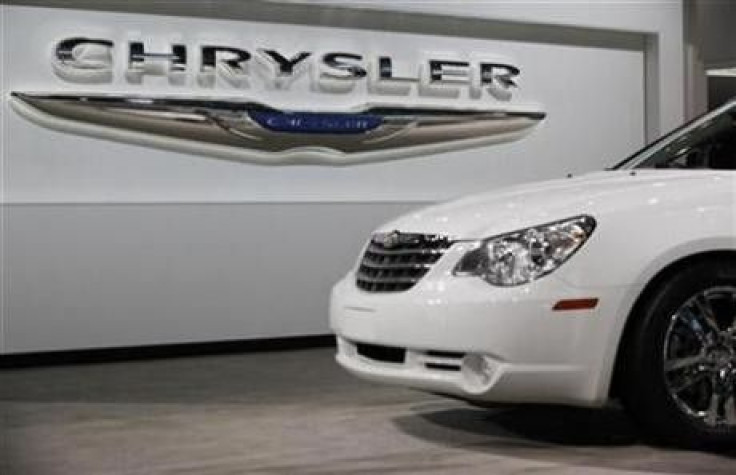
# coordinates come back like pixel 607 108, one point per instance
pixel 395 261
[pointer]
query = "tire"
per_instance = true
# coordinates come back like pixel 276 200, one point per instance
pixel 678 373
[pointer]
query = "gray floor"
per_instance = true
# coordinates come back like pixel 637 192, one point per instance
pixel 295 413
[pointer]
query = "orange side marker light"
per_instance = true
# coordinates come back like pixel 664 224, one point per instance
pixel 575 304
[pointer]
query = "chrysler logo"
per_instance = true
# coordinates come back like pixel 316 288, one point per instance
pixel 396 238
pixel 399 114
pixel 254 132
pixel 85 60
pixel 391 239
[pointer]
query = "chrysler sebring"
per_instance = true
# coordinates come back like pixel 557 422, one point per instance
pixel 615 284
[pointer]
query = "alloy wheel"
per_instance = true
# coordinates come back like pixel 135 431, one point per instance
pixel 700 357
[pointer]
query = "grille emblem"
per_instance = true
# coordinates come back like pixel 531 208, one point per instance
pixel 391 239
pixel 396 238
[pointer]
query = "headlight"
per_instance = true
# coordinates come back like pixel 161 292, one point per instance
pixel 522 256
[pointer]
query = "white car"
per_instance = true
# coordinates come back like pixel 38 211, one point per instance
pixel 619 283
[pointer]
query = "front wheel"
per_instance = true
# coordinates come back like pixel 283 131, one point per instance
pixel 679 368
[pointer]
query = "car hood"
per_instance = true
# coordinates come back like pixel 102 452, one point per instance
pixel 597 194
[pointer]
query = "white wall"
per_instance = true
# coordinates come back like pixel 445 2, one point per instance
pixel 660 20
pixel 108 244
pixel 130 274
pixel 715 36
pixel 711 44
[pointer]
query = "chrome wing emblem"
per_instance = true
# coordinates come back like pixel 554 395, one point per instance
pixel 253 132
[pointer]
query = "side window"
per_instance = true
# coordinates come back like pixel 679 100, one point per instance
pixel 722 153
pixel 692 157
pixel 708 143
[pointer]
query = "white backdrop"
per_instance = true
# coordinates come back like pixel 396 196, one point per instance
pixel 106 244
pixel 594 98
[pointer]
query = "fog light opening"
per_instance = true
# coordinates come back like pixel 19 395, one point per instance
pixel 478 372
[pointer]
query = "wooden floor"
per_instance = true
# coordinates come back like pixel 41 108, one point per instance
pixel 295 413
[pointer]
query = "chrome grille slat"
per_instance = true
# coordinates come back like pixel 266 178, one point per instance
pixel 381 280
pixel 400 265
pixel 394 262
pixel 421 252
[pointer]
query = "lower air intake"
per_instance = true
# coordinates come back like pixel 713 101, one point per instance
pixel 384 354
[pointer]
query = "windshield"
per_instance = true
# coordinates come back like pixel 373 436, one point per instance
pixel 707 142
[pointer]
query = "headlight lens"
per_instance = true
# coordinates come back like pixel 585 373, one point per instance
pixel 522 256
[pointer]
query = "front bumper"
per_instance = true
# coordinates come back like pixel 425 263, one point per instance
pixel 463 337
